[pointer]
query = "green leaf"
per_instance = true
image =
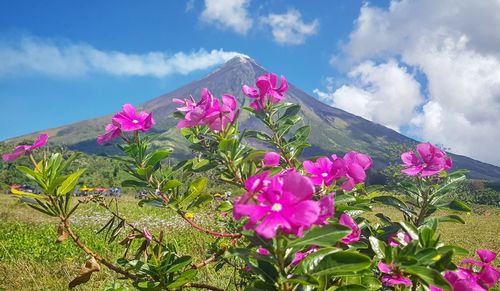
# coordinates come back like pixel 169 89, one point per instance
pixel 426 256
pixel 429 276
pixel 148 285
pixel 202 200
pixel 301 135
pixel 410 229
pixel 425 236
pixel 258 135
pixel 378 247
pixel 323 236
pixel 155 157
pixel 341 263
pixel 171 184
pixel 69 160
pixel 456 250
pixel 134 183
pixel 458 205
pixel 309 263
pixel 225 206
pixel 193 191
pixel 179 264
pixel 352 287
pixel 70 183
pixel 197 186
pixel 450 218
pixel 290 111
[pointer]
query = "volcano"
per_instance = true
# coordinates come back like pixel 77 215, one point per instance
pixel 333 130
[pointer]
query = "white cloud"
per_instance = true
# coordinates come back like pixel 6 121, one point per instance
pixel 189 5
pixel 377 88
pixel 28 55
pixel 230 14
pixel 455 45
pixel 289 28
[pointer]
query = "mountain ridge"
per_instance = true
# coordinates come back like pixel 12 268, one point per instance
pixel 333 130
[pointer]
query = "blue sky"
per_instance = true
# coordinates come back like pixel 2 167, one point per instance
pixel 401 63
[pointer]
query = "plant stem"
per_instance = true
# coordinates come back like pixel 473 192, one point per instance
pixel 202 229
pixel 277 140
pixel 98 258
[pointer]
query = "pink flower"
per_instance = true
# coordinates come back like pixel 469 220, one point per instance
pixel 488 275
pixel 286 204
pixel 129 120
pixel 321 171
pixel 20 150
pixel 194 112
pixel 267 91
pixel 208 111
pixel 112 131
pixel 263 251
pixel 463 280
pixel 355 235
pixel 326 209
pixel 271 159
pixel 147 235
pixel 355 166
pixel 393 276
pixel 299 256
pixel 430 161
pixel 400 238
pixel 219 116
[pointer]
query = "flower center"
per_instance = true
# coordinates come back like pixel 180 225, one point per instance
pixel 276 207
pixel 135 121
pixel 324 174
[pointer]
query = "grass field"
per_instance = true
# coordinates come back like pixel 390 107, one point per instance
pixel 30 260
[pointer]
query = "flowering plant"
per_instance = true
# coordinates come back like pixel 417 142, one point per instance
pixel 297 225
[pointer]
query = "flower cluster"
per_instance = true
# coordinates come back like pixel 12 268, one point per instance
pixel 20 150
pixel 352 166
pixel 430 161
pixel 125 121
pixel 208 111
pixel 283 201
pixel 267 91
pixel 464 278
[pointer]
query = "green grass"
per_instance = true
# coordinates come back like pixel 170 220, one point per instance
pixel 30 260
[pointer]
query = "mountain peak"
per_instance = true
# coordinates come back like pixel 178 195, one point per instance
pixel 239 60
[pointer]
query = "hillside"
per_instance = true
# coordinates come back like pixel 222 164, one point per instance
pixel 333 130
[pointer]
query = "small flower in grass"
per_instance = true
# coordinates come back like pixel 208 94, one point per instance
pixel 147 235
pixel 267 90
pixel 355 235
pixel 20 150
pixel 392 275
pixel 189 215
pixel 271 159
pixel 286 204
pixel 263 251
pixel 430 161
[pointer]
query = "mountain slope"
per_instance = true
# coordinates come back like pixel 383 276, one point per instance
pixel 333 130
